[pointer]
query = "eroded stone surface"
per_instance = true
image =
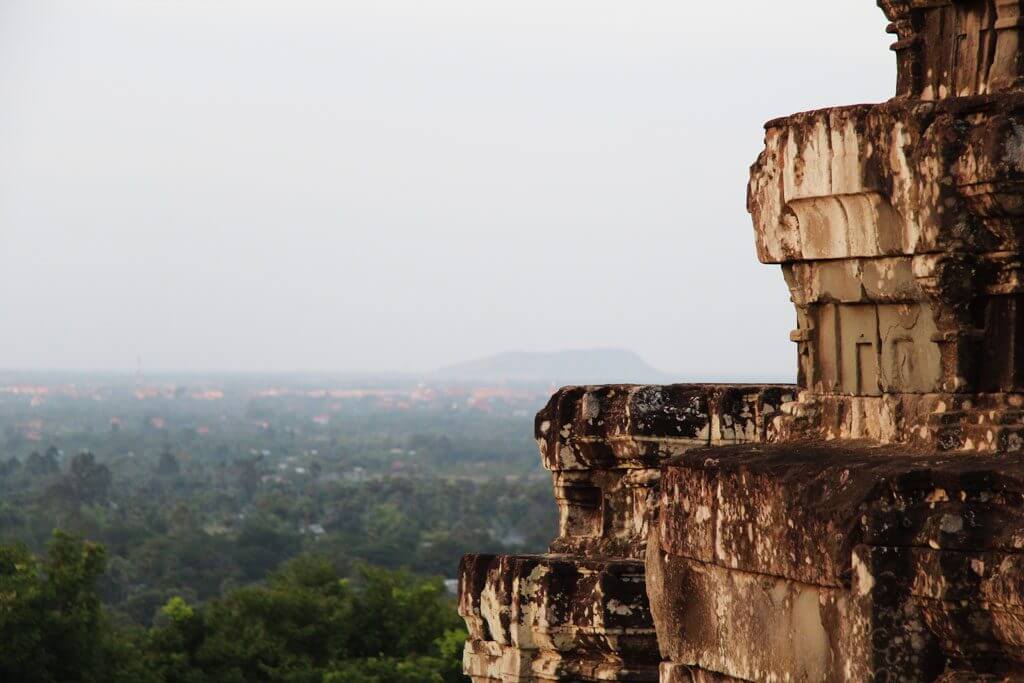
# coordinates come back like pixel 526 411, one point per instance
pixel 898 228
pixel 867 524
pixel 949 48
pixel 581 613
pixel 634 426
pixel 798 510
pixel 829 562
pixel 556 618
pixel 605 447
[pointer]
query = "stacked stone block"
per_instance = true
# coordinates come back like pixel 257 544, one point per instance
pixel 867 524
pixel 581 613
pixel 829 562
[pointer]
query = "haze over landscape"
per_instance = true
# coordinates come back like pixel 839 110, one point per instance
pixel 300 298
pixel 397 185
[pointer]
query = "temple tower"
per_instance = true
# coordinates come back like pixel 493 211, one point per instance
pixel 898 228
pixel 866 524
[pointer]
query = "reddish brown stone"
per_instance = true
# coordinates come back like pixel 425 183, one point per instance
pixel 872 549
pixel 556 618
pixel 859 526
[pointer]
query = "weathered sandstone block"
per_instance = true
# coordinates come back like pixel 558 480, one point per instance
pixel 898 227
pixel 948 48
pixel 605 447
pixel 553 617
pixel 815 562
pixel 581 613
pixel 867 524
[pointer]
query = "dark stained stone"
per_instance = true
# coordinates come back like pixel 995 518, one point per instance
pixel 797 510
pixel 866 524
pixel 552 617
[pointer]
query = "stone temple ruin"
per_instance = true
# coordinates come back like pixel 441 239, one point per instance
pixel 866 524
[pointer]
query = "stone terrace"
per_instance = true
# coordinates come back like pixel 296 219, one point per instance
pixel 866 524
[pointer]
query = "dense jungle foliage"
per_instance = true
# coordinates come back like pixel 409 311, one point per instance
pixel 245 534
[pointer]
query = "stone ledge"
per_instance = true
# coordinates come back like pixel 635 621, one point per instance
pixel 910 614
pixel 754 627
pixel 835 562
pixel 875 181
pixel 980 423
pixel 556 617
pixel 634 426
pixel 798 510
pixel 558 602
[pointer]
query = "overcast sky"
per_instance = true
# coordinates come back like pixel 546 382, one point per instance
pixel 402 184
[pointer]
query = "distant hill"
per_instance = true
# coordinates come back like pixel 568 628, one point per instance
pixel 592 366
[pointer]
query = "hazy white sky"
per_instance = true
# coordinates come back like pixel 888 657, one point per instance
pixel 402 184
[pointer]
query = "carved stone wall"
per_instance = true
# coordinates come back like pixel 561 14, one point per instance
pixel 952 48
pixel 840 563
pixel 581 613
pixel 868 523
pixel 898 230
